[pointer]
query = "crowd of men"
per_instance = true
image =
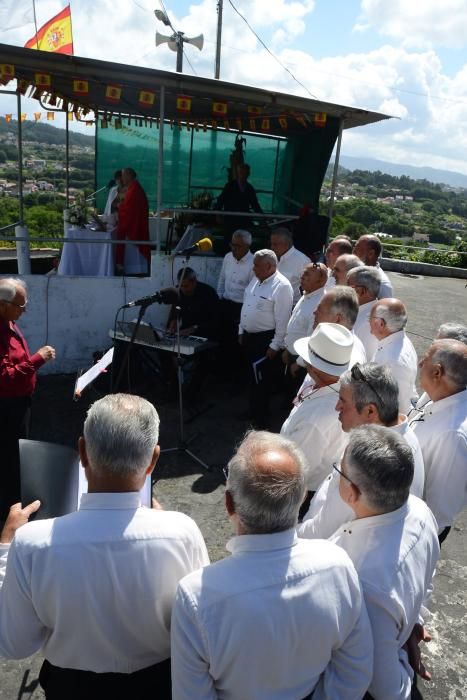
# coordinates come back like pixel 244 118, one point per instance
pixel 338 519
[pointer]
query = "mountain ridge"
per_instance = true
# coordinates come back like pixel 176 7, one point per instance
pixel 436 175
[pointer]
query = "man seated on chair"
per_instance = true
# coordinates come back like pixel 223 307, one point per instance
pixel 93 590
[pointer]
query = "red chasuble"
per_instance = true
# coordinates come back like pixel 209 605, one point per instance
pixel 133 220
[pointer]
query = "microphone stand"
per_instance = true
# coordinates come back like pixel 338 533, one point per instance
pixel 182 445
pixel 126 356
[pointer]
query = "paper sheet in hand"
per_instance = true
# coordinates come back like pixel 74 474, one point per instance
pixel 257 369
pixel 85 379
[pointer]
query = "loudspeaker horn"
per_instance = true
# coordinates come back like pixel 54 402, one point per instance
pixel 162 39
pixel 197 41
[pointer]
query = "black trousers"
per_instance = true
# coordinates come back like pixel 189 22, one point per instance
pixel 262 386
pixel 70 684
pixel 231 354
pixel 14 424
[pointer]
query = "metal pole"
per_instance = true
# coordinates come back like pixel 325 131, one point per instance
pixel 160 169
pixel 179 67
pixel 20 161
pixel 67 159
pixel 217 68
pixel 334 175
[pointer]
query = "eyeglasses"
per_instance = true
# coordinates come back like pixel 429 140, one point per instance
pixel 358 376
pixel 19 306
pixel 225 471
pixel 341 473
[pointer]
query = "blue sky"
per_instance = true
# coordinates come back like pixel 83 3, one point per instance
pixel 407 58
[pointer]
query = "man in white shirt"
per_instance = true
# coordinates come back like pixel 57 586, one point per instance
pixel 280 619
pixel 368 395
pixel 393 544
pixel 236 273
pixel 369 249
pixel 340 245
pixel 266 310
pixel 388 318
pixel 313 423
pixel 93 590
pixel 441 429
pixel 365 280
pixel 291 260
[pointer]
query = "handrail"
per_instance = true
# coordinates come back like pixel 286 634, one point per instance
pixel 4 228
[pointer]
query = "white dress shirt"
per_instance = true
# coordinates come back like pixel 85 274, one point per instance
pixel 235 276
pixel 328 511
pixel 302 319
pixel 267 306
pixel 441 429
pixel 314 426
pixel 395 555
pixel 385 288
pixel 397 352
pixel 94 590
pixel 274 621
pixel 291 265
pixel 363 331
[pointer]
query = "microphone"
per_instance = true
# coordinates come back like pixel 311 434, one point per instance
pixel 165 296
pixel 204 245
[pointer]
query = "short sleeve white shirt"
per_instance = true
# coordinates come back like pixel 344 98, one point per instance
pixel 291 265
pixel 385 288
pixel 398 353
pixel 267 306
pixel 363 331
pixel 302 319
pixel 235 276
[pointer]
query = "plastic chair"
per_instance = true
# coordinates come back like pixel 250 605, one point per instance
pixel 50 473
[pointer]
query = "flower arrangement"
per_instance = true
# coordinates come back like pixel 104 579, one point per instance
pixel 78 213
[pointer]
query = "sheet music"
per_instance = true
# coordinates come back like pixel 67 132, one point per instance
pixel 85 379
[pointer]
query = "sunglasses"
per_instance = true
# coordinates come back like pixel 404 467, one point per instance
pixel 358 376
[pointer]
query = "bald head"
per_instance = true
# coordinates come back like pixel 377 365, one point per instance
pixel 443 369
pixel 266 483
pixel 387 316
pixel 368 248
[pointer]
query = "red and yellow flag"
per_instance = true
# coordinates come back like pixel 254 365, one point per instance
pixel 183 103
pixel 113 93
pixel 42 80
pixel 146 98
pixel 55 35
pixel 8 117
pixel 7 72
pixel 219 109
pixel 80 87
pixel 50 116
pixel 37 116
pixel 319 119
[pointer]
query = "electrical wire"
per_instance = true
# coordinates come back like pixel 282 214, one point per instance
pixel 189 62
pixel 269 50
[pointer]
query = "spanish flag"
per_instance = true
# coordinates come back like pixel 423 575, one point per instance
pixel 55 35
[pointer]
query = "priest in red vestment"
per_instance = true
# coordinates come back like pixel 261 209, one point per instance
pixel 133 225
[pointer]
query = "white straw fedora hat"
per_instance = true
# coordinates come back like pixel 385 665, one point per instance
pixel 328 348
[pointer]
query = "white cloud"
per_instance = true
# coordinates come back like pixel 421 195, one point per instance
pixel 441 22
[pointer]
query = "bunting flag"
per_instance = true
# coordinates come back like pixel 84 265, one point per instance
pixel 254 110
pixel 70 116
pixel 22 87
pixel 146 98
pixel 283 122
pixel 183 103
pixel 37 116
pixel 23 116
pixel 43 80
pixel 7 72
pixel 113 93
pixel 252 124
pixel 56 35
pixel 50 116
pixel 219 109
pixel 8 117
pixel 320 119
pixel 265 124
pixel 80 87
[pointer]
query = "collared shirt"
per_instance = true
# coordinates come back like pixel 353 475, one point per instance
pixel 17 366
pixel 328 511
pixel 267 306
pixel 441 429
pixel 397 352
pixel 363 330
pixel 314 426
pixel 235 276
pixel 291 265
pixel 94 589
pixel 302 319
pixel 395 555
pixel 385 288
pixel 274 621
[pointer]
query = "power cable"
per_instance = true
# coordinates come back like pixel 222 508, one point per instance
pixel 269 51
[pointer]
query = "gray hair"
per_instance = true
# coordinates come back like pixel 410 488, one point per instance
pixel 350 261
pixel 380 463
pixel 9 287
pixel 344 301
pixel 366 276
pixel 454 331
pixel 394 316
pixel 266 501
pixel 244 235
pixel 283 232
pixel 267 254
pixel 121 432
pixel 378 387
pixel 452 356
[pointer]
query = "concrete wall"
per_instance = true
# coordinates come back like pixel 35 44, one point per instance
pixel 74 314
pixel 420 268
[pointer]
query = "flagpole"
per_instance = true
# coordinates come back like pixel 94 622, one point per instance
pixel 35 23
